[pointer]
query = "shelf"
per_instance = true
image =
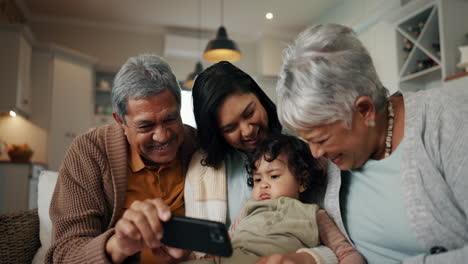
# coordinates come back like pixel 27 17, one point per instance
pixel 418 45
pixel 430 39
pixel 102 93
pixel 415 25
pixel 435 69
pixel 456 76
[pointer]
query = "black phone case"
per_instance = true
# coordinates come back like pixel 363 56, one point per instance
pixel 198 235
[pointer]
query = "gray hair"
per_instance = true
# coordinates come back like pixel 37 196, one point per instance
pixel 142 77
pixel 324 72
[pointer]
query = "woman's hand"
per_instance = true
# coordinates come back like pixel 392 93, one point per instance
pixel 294 258
pixel 140 226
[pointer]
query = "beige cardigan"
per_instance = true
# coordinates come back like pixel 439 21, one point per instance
pixel 205 190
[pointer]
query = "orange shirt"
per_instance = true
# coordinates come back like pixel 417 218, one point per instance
pixel 149 182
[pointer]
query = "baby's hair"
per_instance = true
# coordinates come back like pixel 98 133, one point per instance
pixel 302 165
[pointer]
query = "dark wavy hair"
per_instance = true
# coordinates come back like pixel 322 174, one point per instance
pixel 302 165
pixel 210 90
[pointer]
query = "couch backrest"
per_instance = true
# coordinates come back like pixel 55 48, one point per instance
pixel 45 188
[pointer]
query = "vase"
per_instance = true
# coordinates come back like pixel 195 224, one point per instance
pixel 463 58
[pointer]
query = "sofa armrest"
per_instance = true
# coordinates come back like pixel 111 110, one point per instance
pixel 19 236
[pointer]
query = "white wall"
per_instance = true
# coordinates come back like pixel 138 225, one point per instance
pixel 17 130
pixel 371 19
pixel 112 47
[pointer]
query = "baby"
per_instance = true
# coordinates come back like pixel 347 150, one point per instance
pixel 281 172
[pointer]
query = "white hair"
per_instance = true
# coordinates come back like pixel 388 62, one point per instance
pixel 324 72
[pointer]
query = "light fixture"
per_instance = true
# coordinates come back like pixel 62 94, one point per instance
pixel 269 15
pixel 188 83
pixel 222 48
pixel 12 113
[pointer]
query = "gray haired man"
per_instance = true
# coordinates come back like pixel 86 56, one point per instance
pixel 118 182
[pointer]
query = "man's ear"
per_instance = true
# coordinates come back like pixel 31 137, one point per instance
pixel 366 109
pixel 118 120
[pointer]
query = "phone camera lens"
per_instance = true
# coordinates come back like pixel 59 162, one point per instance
pixel 216 236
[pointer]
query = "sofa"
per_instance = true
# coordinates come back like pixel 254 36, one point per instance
pixel 25 235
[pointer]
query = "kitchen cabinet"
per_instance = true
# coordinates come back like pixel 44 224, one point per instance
pixel 18 185
pixel 63 82
pixel 15 68
pixel 102 96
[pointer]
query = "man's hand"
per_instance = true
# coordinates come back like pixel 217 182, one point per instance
pixel 139 227
pixel 171 255
pixel 294 258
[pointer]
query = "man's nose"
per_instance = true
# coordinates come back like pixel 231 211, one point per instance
pixel 161 134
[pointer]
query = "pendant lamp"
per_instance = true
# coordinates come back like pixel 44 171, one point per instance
pixel 188 83
pixel 222 48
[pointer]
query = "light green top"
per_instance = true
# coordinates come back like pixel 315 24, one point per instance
pixel 378 224
pixel 236 179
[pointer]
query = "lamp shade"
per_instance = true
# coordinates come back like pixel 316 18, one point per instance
pixel 222 48
pixel 188 83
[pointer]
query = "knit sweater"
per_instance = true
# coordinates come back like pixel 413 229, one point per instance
pixel 433 171
pixel 90 192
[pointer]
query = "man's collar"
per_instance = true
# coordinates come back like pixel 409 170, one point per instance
pixel 135 162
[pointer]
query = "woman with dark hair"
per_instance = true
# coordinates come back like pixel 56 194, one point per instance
pixel 232 114
pixel 211 90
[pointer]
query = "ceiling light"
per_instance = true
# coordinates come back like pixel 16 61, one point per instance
pixel 269 16
pixel 222 48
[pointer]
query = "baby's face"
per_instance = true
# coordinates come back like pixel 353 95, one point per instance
pixel 274 179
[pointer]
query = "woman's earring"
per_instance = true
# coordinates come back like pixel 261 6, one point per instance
pixel 371 123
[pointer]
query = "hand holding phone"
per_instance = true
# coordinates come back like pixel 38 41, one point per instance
pixel 198 235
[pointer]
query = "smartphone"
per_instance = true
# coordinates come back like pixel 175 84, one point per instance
pixel 198 235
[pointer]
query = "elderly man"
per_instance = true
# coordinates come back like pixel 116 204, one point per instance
pixel 118 182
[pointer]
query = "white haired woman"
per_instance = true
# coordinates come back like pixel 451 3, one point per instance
pixel 397 176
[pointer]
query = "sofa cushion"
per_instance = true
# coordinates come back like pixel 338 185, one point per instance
pixel 46 186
